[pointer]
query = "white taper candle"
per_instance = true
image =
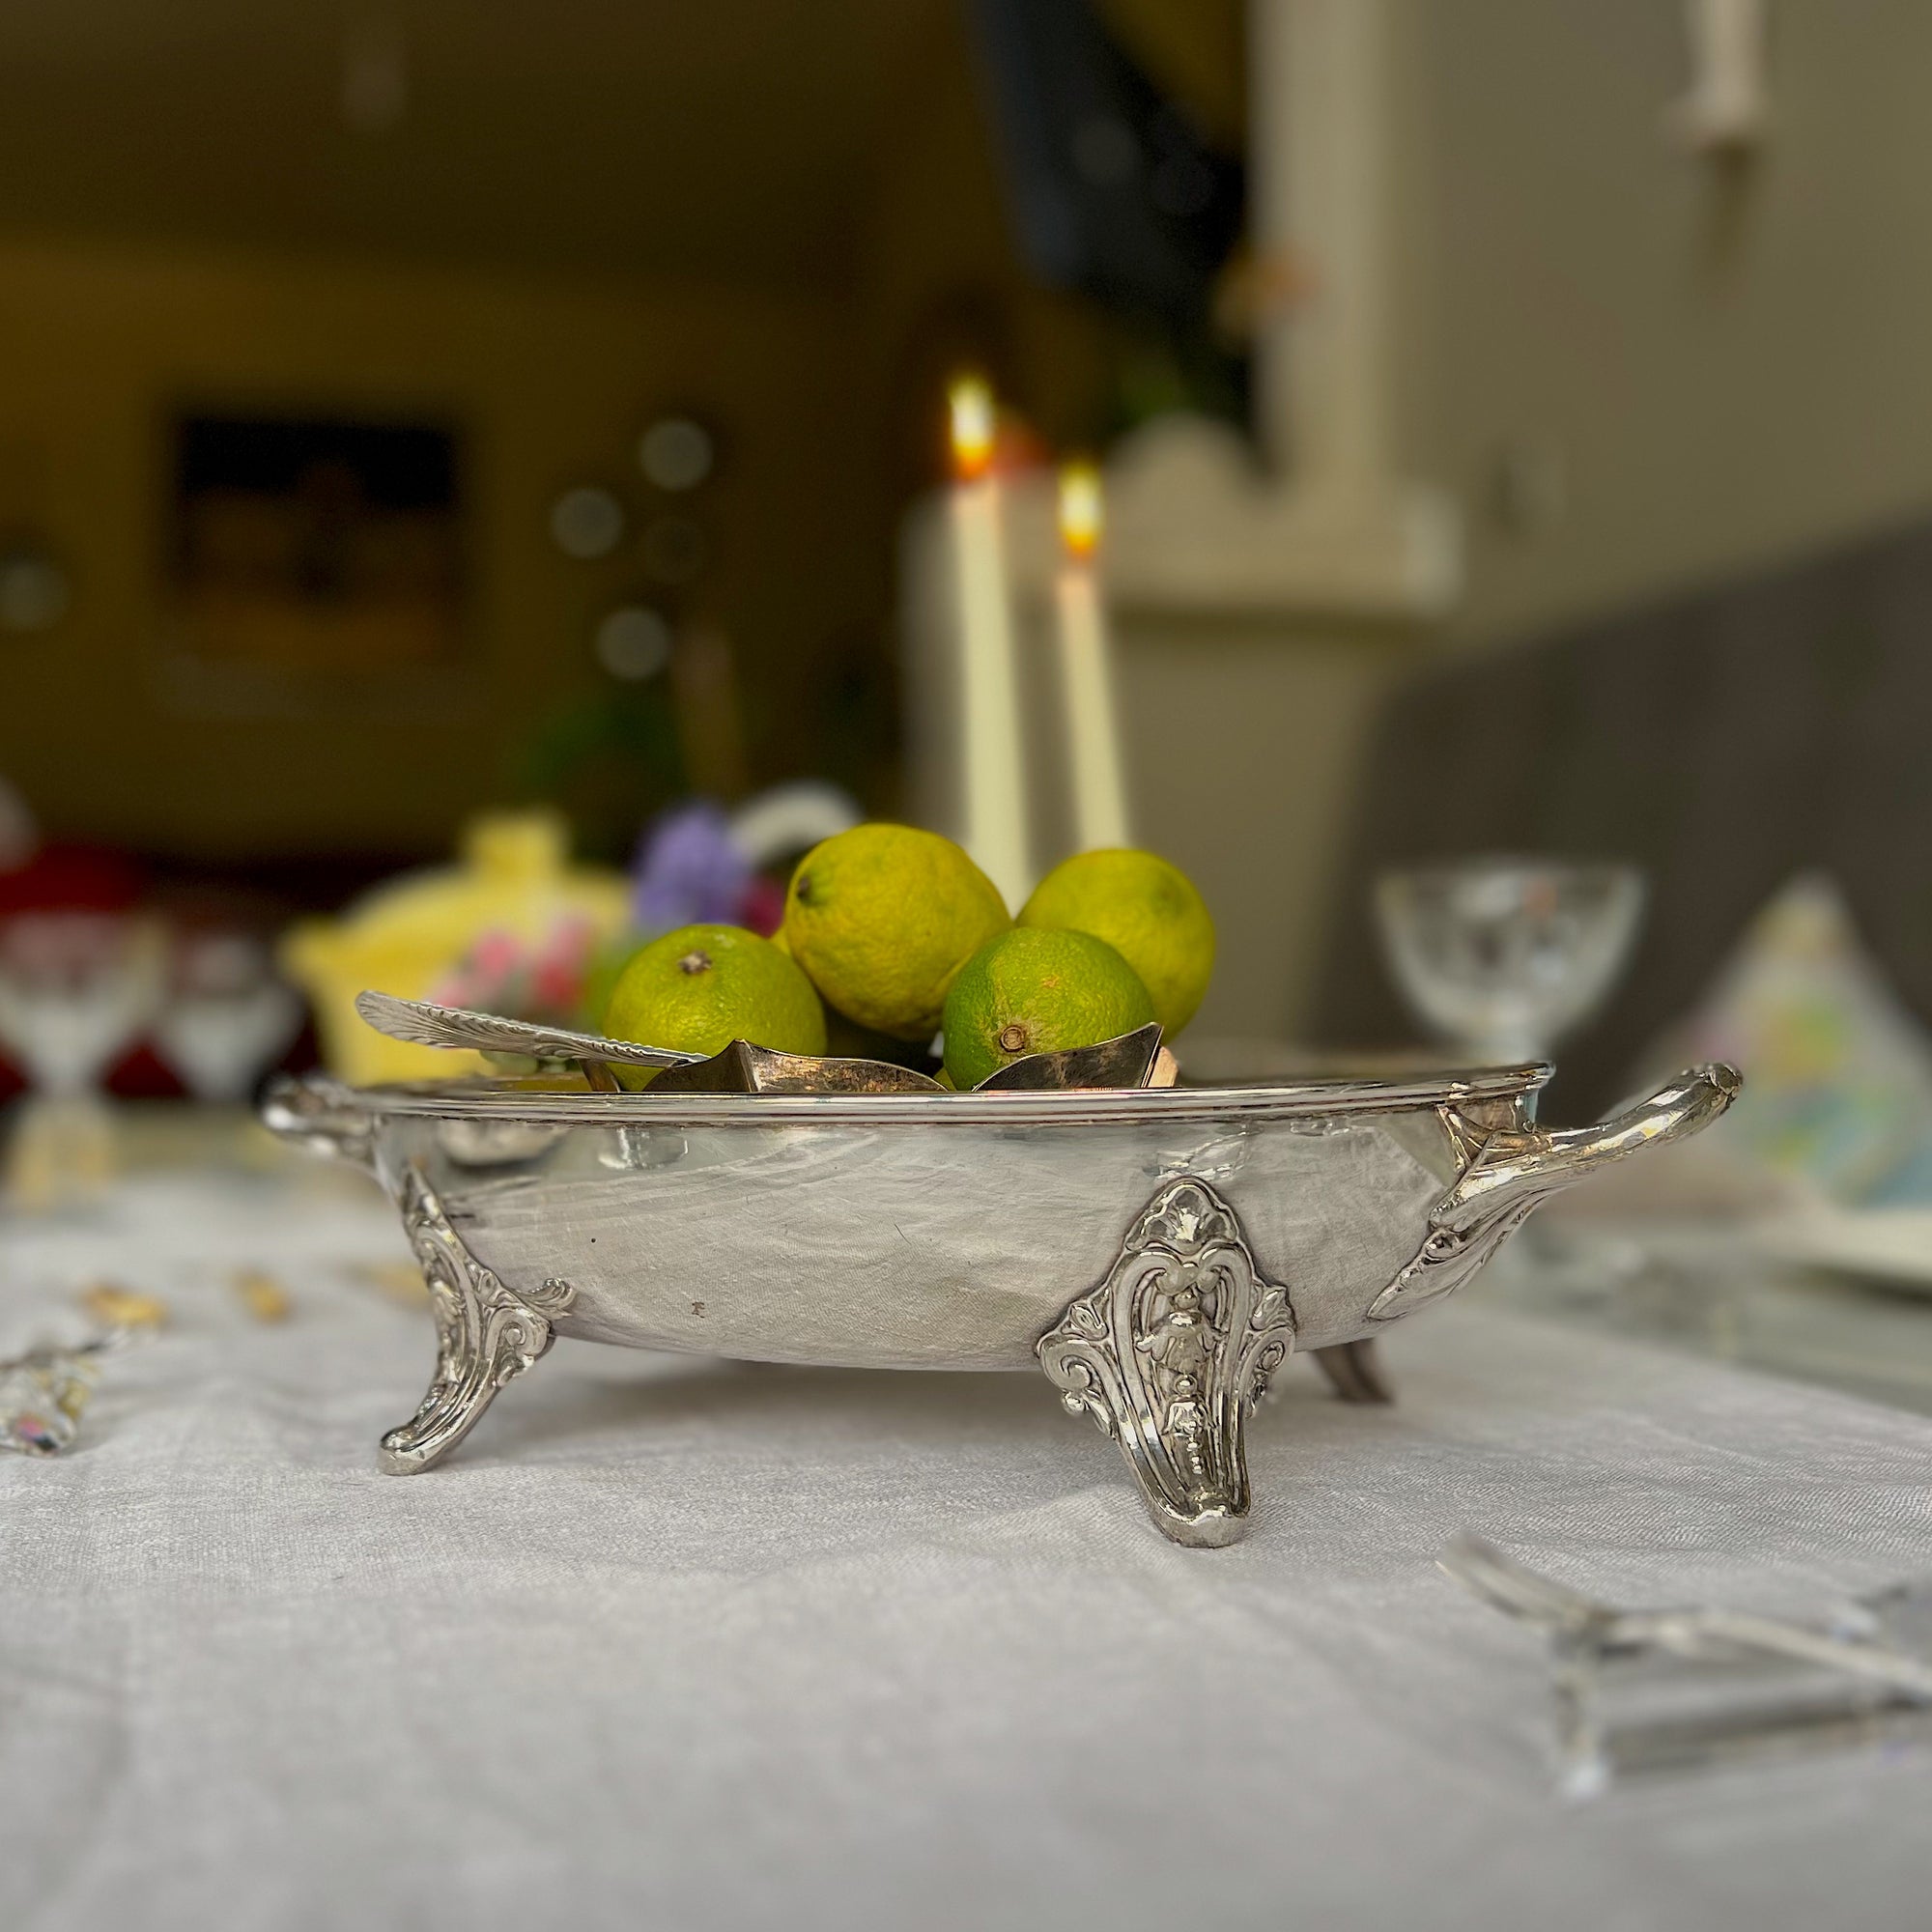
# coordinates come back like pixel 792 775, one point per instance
pixel 1097 777
pixel 994 818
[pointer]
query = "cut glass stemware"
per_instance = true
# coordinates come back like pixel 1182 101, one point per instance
pixel 1500 957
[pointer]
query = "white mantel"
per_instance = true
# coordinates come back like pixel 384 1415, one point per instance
pixel 1308 515
pixel 1266 586
pixel 1196 527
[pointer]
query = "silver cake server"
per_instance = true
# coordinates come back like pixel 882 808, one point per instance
pixel 423 1023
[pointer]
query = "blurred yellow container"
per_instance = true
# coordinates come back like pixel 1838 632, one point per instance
pixel 513 876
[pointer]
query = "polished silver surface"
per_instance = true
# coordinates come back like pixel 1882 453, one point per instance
pixel 562 1101
pixel 1513 1169
pixel 946 1231
pixel 1170 1352
pixel 745 1068
pixel 1355 1371
pixel 322 1117
pixel 486 1333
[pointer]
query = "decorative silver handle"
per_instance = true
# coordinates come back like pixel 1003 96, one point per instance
pixel 322 1115
pixel 1520 1167
pixel 1516 1168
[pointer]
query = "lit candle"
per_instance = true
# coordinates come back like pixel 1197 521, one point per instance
pixel 1086 671
pixel 994 820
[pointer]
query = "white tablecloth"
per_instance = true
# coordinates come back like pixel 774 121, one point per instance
pixel 682 1644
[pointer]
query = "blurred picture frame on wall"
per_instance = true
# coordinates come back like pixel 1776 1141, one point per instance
pixel 311 559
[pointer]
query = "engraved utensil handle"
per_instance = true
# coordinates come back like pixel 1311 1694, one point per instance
pixel 425 1024
pixel 1519 1167
pixel 320 1116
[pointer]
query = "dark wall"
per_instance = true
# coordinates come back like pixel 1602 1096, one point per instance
pixel 1725 739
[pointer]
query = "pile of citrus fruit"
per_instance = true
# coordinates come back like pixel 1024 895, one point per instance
pixel 892 936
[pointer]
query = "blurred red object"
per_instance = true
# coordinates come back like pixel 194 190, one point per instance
pixel 763 906
pixel 142 1074
pixel 71 878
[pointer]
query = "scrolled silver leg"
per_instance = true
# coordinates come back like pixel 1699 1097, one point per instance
pixel 486 1334
pixel 1169 1353
pixel 1355 1371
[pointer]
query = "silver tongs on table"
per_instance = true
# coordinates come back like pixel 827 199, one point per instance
pixel 1673 1689
pixel 1132 1059
pixel 1518 1591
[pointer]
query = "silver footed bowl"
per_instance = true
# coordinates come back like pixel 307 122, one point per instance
pixel 1158 1253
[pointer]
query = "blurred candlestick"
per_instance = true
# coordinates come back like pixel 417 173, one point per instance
pixel 704 677
pixel 1086 670
pixel 995 813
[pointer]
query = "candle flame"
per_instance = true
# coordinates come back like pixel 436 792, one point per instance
pixel 969 403
pixel 1081 509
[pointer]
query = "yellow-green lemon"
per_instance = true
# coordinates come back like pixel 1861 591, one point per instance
pixel 882 916
pixel 702 987
pixel 1148 910
pixel 1036 991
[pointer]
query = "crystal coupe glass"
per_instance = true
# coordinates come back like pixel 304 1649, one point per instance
pixel 229 1017
pixel 1500 957
pixel 76 988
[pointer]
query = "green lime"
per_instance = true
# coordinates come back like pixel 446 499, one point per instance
pixel 1148 910
pixel 882 916
pixel 702 987
pixel 1032 991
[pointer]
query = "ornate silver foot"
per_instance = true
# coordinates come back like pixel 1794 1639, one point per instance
pixel 1169 1353
pixel 485 1334
pixel 1354 1371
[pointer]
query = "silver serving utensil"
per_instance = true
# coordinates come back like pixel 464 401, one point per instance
pixel 742 1068
pixel 425 1024
pixel 745 1068
pixel 1518 1591
pixel 1125 1061
pixel 1642 1692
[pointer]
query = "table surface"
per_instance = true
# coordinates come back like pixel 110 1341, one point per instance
pixel 1701 1290
pixel 687 1644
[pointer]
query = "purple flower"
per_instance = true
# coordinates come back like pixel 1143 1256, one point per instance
pixel 688 870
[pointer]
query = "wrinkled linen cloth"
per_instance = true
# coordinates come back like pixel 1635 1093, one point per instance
pixel 675 1643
